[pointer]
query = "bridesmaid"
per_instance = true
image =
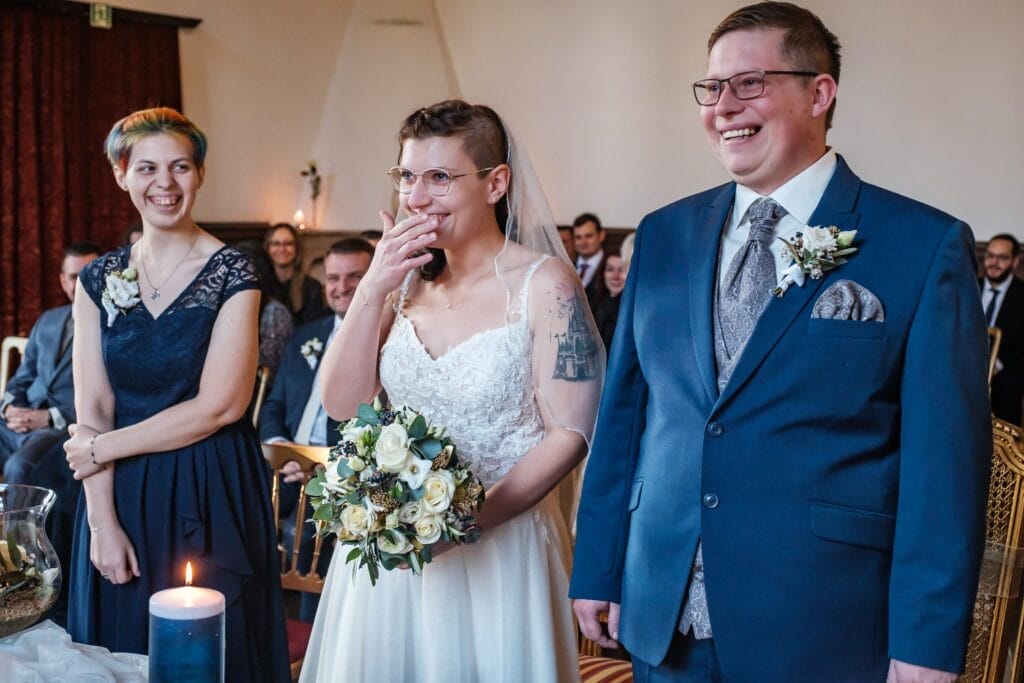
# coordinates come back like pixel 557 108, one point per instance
pixel 164 358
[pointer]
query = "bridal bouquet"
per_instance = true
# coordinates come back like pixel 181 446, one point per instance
pixel 393 487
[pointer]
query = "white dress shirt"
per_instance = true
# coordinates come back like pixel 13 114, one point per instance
pixel 800 196
pixel 593 263
pixel 1000 295
pixel 312 429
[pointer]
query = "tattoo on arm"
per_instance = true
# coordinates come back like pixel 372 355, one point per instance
pixel 577 354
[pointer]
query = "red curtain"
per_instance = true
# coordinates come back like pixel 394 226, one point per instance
pixel 63 85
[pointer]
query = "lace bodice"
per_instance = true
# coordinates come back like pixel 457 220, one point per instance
pixel 480 389
pixel 154 363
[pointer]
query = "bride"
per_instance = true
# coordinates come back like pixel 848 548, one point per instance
pixel 488 333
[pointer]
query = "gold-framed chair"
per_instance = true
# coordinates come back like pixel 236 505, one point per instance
pixel 995 338
pixel 262 380
pixel 309 458
pixel 994 651
pixel 9 344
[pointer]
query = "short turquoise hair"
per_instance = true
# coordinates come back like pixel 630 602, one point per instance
pixel 135 126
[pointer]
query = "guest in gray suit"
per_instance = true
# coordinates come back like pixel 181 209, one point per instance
pixel 40 399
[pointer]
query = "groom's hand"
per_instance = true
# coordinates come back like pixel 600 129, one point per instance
pixel 591 614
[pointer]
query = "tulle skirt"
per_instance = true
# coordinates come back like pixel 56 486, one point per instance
pixel 495 611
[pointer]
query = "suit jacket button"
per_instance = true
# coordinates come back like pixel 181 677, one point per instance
pixel 715 429
pixel 710 501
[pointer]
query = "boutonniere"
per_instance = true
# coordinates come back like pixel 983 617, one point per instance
pixel 310 350
pixel 121 293
pixel 815 252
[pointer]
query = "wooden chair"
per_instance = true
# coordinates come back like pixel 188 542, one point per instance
pixel 605 670
pixel 308 457
pixel 994 650
pixel 10 344
pixel 262 380
pixel 995 338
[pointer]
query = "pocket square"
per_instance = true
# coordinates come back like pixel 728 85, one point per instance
pixel 846 300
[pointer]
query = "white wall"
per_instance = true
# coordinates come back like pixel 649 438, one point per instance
pixel 598 91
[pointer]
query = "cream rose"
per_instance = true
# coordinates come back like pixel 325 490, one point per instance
pixel 392 520
pixel 356 520
pixel 332 479
pixel 393 448
pixel 356 464
pixel 818 240
pixel 428 529
pixel 438 490
pixel 410 512
pixel 394 542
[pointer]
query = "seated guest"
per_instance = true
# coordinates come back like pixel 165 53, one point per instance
pixel 291 285
pixel 276 323
pixel 1002 299
pixel 570 248
pixel 40 399
pixel 606 313
pixel 293 411
pixel 588 238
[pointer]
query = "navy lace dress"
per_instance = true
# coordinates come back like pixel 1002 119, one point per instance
pixel 208 502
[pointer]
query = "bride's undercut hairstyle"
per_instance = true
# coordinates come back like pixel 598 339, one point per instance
pixel 135 126
pixel 483 139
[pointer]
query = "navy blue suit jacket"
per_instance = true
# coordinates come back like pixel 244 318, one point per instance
pixel 43 379
pixel 282 411
pixel 838 483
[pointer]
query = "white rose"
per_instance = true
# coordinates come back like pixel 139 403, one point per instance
pixel 438 490
pixel 333 479
pixel 428 529
pixel 356 520
pixel 818 240
pixel 122 293
pixel 353 433
pixel 393 448
pixel 415 472
pixel 410 512
pixel 392 520
pixel 356 464
pixel 394 542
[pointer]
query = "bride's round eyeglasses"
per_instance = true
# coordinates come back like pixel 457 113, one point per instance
pixel 436 181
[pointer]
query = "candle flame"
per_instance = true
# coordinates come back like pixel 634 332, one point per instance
pixel 299 217
pixel 188 573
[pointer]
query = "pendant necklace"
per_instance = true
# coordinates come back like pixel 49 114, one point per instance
pixel 155 294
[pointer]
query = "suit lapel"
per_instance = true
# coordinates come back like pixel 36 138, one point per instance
pixel 835 208
pixel 61 361
pixel 706 237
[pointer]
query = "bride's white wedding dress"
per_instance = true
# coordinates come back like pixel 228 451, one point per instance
pixel 494 611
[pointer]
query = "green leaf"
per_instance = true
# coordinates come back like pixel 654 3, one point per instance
pixel 315 487
pixel 353 554
pixel 414 562
pixel 430 448
pixel 352 498
pixel 367 414
pixel 324 513
pixel 344 470
pixel 844 252
pixel 427 554
pixel 416 494
pixel 418 428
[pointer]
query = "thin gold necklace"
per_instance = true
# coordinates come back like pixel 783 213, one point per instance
pixel 155 294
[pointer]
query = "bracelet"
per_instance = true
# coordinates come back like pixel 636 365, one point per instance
pixel 92 453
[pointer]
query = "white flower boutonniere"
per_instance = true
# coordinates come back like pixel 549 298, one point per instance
pixel 311 350
pixel 121 293
pixel 815 252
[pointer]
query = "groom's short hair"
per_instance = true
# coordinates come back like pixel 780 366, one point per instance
pixel 808 42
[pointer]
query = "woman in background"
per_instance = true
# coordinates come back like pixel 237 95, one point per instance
pixel 276 322
pixel 291 285
pixel 606 313
pixel 164 358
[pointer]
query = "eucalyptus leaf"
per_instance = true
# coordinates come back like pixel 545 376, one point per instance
pixel 324 513
pixel 418 428
pixel 315 487
pixel 367 414
pixel 414 562
pixel 430 448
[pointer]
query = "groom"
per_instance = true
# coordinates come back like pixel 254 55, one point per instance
pixel 788 488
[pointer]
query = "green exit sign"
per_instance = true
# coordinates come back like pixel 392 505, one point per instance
pixel 100 15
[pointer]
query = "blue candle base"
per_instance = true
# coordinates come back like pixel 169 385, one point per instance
pixel 186 650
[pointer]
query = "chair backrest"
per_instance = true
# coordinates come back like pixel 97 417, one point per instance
pixel 995 338
pixel 309 458
pixel 10 344
pixel 994 651
pixel 262 380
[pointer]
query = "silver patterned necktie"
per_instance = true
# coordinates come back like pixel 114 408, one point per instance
pixel 748 283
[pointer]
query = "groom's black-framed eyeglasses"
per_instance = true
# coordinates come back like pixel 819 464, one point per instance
pixel 745 86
